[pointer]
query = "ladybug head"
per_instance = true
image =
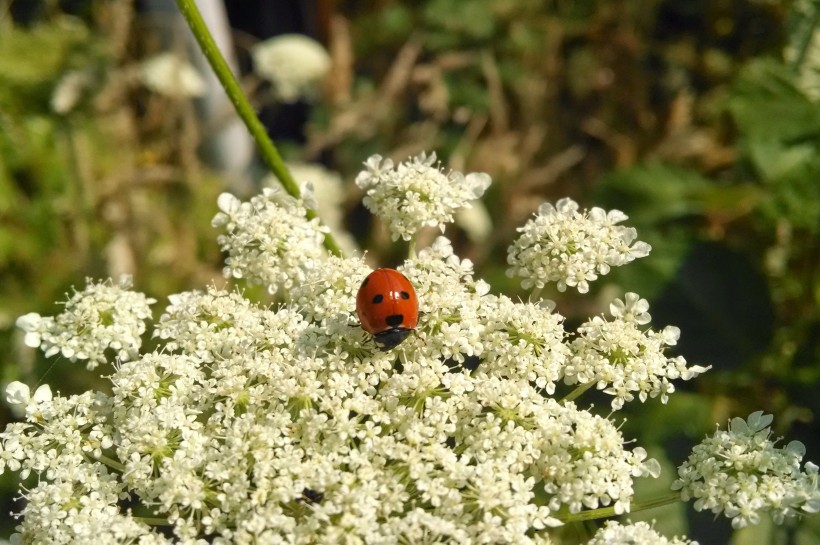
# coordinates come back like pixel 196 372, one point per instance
pixel 391 338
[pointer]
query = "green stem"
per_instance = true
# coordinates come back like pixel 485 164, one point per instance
pixel 573 395
pixel 153 521
pixel 110 462
pixel 411 248
pixel 243 107
pixel 606 512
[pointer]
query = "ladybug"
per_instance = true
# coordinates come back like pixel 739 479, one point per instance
pixel 387 307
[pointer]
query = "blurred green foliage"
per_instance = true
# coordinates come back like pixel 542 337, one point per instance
pixel 699 119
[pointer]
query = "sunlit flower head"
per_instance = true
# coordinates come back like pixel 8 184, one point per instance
pixel 741 473
pixel 622 358
pixel 249 422
pixel 103 316
pixel 571 248
pixel 416 193
pixel 269 240
pixel 294 64
pixel 171 75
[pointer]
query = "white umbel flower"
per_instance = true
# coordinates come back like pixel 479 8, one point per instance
pixel 170 75
pixel 102 316
pixel 636 533
pixel 571 248
pixel 294 64
pixel 69 91
pixel 22 402
pixel 286 424
pixel 622 358
pixel 269 240
pixel 523 341
pixel 742 474
pixel 81 507
pixel 416 193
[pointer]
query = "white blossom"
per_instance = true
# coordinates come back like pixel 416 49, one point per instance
pixel 81 506
pixel 20 400
pixel 102 316
pixel 171 75
pixel 635 533
pixel 286 424
pixel 69 91
pixel 294 64
pixel 622 358
pixel 416 193
pixel 322 190
pixel 523 341
pixel 269 240
pixel 743 474
pixel 571 248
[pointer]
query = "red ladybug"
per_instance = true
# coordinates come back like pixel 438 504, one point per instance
pixel 387 307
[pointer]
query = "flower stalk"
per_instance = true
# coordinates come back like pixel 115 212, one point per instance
pixel 243 107
pixel 605 512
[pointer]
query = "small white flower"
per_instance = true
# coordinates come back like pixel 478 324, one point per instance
pixel 34 325
pixel 69 90
pixel 322 190
pixel 572 248
pixel 742 474
pixel 17 393
pixel 269 240
pixel 636 533
pixel 621 358
pixel 169 74
pixel 100 317
pixel 416 193
pixel 285 424
pixel 294 64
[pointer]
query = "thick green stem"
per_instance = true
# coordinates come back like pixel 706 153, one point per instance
pixel 110 462
pixel 606 512
pixel 153 521
pixel 573 395
pixel 243 107
pixel 411 248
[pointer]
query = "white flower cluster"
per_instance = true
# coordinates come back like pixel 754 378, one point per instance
pixel 256 425
pixel 416 193
pixel 572 248
pixel 636 533
pixel 250 424
pixel 294 64
pixel 90 514
pixel 621 358
pixel 269 240
pixel 741 473
pixel 104 315
pixel 322 190
pixel 171 75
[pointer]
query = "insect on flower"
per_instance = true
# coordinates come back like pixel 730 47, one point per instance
pixel 387 307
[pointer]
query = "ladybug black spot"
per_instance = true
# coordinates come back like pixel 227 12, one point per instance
pixel 405 295
pixel 364 282
pixel 394 320
pixel 378 299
